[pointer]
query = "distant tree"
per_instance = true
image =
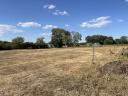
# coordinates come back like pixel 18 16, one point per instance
pixel 17 43
pixel 88 39
pixel 76 37
pixel 108 42
pixel 99 39
pixel 96 39
pixel 29 45
pixel 40 42
pixel 124 40
pixel 117 41
pixel 4 45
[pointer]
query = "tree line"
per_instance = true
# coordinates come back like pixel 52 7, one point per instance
pixel 61 38
pixel 19 43
pixel 106 40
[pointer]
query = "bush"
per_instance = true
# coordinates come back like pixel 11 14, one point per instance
pixel 29 45
pixel 5 45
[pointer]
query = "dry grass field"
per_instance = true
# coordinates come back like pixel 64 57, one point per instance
pixel 59 72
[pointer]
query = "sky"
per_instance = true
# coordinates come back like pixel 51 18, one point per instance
pixel 36 18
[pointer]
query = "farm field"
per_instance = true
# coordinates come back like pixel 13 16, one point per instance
pixel 59 72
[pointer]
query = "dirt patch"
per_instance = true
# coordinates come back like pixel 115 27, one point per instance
pixel 116 67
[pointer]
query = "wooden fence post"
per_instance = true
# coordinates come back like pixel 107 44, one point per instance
pixel 93 54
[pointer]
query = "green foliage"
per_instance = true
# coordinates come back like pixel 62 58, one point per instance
pixel 4 45
pixel 117 41
pixel 17 43
pixel 122 40
pixel 40 43
pixel 76 37
pixel 99 39
pixel 108 42
pixel 29 45
pixel 18 40
pixel 60 37
pixel 67 38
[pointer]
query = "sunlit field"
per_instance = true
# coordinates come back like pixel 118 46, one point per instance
pixel 60 72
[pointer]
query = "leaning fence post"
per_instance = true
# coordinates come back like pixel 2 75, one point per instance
pixel 93 53
pixel 114 48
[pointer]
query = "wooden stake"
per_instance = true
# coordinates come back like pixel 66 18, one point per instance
pixel 93 54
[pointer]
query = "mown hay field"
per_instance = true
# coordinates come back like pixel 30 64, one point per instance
pixel 60 72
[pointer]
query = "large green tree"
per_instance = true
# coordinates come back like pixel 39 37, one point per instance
pixel 60 37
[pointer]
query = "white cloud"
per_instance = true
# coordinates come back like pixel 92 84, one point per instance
pixel 49 26
pixel 8 28
pixel 120 20
pixel 97 23
pixel 55 12
pixel 62 13
pixel 67 25
pixel 50 6
pixel 29 24
pixel 46 34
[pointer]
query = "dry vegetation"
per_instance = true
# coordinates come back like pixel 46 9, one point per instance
pixel 60 72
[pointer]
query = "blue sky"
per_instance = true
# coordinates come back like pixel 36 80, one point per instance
pixel 36 18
